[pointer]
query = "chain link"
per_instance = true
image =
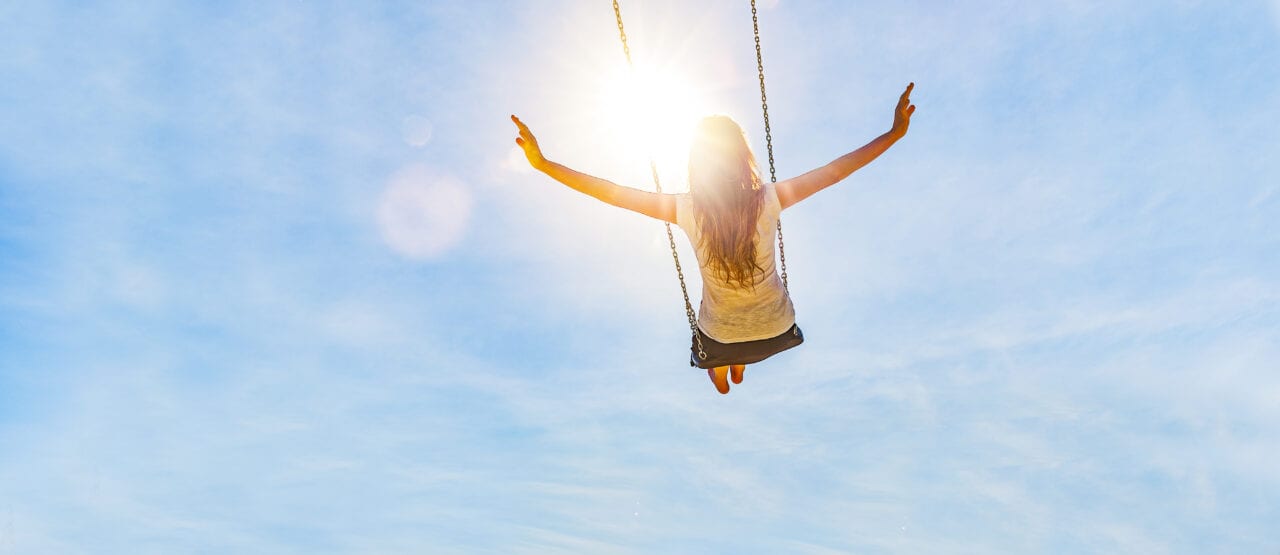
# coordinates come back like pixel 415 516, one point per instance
pixel 622 33
pixel 657 184
pixel 768 138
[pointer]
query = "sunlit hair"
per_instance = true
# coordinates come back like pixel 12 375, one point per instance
pixel 727 198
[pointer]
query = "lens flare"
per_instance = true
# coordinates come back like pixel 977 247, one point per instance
pixel 416 130
pixel 422 215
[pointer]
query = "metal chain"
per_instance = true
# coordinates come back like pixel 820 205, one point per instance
pixel 657 183
pixel 768 137
pixel 622 33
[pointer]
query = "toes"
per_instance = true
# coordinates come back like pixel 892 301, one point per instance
pixel 719 379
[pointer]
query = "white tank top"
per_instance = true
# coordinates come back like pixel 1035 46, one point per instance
pixel 729 314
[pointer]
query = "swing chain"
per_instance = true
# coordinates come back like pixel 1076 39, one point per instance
pixel 622 33
pixel 768 138
pixel 657 183
pixel 764 99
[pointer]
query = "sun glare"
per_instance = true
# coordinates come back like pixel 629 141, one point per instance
pixel 653 112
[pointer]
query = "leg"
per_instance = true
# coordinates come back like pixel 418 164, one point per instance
pixel 719 377
pixel 735 372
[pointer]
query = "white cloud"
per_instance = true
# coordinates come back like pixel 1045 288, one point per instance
pixel 361 324
pixel 139 285
pixel 516 162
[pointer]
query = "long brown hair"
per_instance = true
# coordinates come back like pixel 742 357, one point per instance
pixel 724 182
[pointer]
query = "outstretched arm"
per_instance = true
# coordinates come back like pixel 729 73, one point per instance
pixel 796 189
pixel 654 205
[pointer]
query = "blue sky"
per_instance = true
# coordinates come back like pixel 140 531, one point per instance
pixel 274 280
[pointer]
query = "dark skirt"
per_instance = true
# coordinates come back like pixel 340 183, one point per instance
pixel 744 352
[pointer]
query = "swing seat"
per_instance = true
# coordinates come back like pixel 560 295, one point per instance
pixel 745 352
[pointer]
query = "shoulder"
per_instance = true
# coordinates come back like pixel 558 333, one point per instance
pixel 684 210
pixel 771 200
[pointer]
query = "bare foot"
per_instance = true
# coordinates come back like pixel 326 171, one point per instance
pixel 717 376
pixel 735 372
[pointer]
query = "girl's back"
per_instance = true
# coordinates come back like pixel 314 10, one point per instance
pixel 729 312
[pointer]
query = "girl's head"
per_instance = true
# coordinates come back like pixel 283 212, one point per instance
pixel 725 184
pixel 720 161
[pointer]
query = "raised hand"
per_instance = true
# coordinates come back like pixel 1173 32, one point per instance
pixel 902 113
pixel 529 143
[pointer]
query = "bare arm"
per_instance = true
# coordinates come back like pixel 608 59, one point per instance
pixel 654 205
pixel 796 189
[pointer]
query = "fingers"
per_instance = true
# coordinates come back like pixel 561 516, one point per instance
pixel 911 110
pixel 525 134
pixel 520 124
pixel 906 95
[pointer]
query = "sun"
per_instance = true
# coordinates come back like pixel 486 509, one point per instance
pixel 653 111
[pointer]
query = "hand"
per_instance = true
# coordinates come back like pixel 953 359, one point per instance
pixel 529 143
pixel 902 113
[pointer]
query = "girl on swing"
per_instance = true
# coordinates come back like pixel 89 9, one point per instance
pixel 729 215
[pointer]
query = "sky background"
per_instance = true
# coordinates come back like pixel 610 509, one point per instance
pixel 275 279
